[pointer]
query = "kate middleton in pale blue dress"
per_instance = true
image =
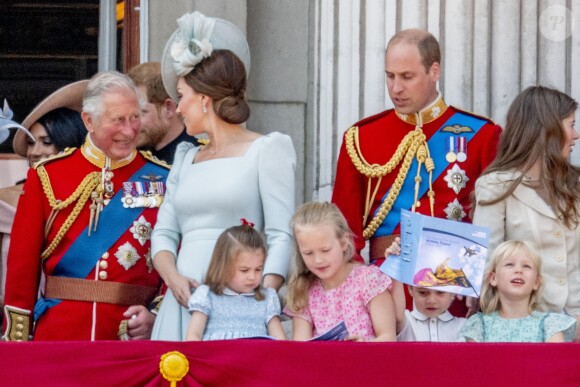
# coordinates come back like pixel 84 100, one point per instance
pixel 205 198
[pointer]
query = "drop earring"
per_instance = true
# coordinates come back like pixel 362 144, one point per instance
pixel 203 109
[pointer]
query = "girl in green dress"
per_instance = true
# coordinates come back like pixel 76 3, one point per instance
pixel 512 283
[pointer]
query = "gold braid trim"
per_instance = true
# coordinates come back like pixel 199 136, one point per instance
pixel 406 151
pixel 80 195
pixel 375 170
pixel 149 156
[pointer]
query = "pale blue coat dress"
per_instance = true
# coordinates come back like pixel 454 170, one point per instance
pixel 203 199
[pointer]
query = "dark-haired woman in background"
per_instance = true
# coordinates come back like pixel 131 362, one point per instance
pixel 55 124
pixel 238 174
pixel 54 132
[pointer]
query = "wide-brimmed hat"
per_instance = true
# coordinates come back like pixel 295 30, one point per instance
pixel 69 96
pixel 6 123
pixel 197 36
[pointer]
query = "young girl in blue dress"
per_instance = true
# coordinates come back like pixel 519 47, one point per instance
pixel 512 283
pixel 231 303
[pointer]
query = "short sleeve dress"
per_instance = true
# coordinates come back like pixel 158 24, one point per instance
pixel 348 302
pixel 203 199
pixel 232 315
pixel 538 327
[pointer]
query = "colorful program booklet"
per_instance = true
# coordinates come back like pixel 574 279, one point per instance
pixel 441 254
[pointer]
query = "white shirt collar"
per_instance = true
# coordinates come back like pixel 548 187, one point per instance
pixel 230 292
pixel 445 316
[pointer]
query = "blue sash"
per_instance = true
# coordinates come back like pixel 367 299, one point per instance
pixel 437 148
pixel 84 253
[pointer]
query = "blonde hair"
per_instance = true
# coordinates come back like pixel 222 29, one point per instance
pixel 489 299
pixel 314 213
pixel 230 244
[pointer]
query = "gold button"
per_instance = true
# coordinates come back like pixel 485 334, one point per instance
pixel 106 255
pixel 20 319
pixel 103 264
pixel 103 275
pixel 19 327
pixel 559 258
pixel 18 334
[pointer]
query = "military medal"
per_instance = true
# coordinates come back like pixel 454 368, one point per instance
pixel 138 194
pixel 141 230
pixel 455 211
pixel 127 255
pixel 462 153
pixel 450 156
pixel 456 178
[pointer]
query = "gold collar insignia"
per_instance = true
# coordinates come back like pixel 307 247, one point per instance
pixel 96 157
pixel 429 114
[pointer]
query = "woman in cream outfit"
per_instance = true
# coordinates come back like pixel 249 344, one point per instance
pixel 531 191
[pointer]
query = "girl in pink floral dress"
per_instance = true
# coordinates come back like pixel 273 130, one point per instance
pixel 329 287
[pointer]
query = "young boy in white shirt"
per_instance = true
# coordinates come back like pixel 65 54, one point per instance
pixel 429 320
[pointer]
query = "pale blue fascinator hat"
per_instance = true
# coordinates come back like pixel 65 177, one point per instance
pixel 6 123
pixel 195 39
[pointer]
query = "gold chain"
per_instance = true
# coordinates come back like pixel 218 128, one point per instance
pixel 82 193
pixel 413 144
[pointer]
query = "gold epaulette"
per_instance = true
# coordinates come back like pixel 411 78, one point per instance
pixel 203 141
pixel 149 156
pixel 65 153
pixel 17 324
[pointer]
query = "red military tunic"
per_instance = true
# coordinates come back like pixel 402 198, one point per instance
pixel 73 320
pixel 379 136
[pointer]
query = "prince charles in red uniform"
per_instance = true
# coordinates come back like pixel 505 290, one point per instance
pixel 84 223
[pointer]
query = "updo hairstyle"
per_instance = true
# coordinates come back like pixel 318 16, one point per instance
pixel 222 77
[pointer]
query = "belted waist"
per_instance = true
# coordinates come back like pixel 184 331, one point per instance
pixel 78 289
pixel 378 246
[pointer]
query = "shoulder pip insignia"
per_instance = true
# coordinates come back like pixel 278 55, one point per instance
pixel 457 129
pixel 65 153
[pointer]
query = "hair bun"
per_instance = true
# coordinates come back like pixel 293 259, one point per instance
pixel 233 109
